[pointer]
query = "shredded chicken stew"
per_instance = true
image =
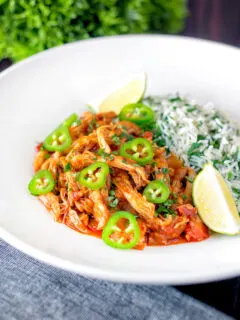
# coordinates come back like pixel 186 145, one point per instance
pixel 105 177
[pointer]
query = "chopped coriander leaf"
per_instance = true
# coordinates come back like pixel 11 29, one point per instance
pixel 175 196
pixel 174 99
pixel 127 136
pixel 112 201
pixel 230 174
pixel 92 125
pixel 112 193
pixel 162 209
pixel 201 137
pixel 105 155
pixel 165 170
pixel 154 163
pixel 193 150
pixel 189 179
pixel 76 123
pixel 91 109
pixel 111 170
pixel 67 167
pixel 184 197
pixel 47 156
pixel 116 140
pixel 191 109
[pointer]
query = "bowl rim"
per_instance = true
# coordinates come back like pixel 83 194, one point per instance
pixel 130 277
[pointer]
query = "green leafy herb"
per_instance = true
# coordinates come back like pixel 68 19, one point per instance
pixel 67 167
pixel 27 27
pixel 106 156
pixel 92 125
pixel 165 208
pixel 165 170
pixel 201 137
pixel 47 156
pixel 194 149
pixel 127 136
pixel 116 140
pixel 112 200
pixel 112 193
pixel 76 123
pixel 175 99
pixel 91 109
pixel 189 179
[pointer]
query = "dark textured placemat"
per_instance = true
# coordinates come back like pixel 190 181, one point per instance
pixel 31 290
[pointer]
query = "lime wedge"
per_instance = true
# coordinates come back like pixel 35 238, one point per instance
pixel 215 202
pixel 130 92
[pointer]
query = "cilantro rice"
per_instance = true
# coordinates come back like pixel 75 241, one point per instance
pixel 198 135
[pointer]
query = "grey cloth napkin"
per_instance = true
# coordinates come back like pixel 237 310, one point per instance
pixel 31 290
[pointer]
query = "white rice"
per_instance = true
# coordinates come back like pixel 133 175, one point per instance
pixel 198 135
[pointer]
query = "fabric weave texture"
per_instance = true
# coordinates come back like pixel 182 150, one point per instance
pixel 32 290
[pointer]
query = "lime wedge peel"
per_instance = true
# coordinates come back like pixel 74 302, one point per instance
pixel 129 91
pixel 215 203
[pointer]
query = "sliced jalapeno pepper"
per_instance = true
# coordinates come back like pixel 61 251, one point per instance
pixel 94 177
pixel 58 140
pixel 139 149
pixel 41 183
pixel 137 113
pixel 69 121
pixel 121 231
pixel 156 191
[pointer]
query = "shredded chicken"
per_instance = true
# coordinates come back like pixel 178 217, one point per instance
pixel 99 137
pixel 136 200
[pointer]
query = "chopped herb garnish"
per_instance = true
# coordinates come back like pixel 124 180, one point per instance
pixel 230 174
pixel 106 156
pixel 76 123
pixel 91 109
pixel 116 140
pixel 112 201
pixel 189 179
pixel 184 197
pixel 47 156
pixel 127 136
pixel 194 149
pixel 111 170
pixel 165 208
pixel 165 170
pixel 201 137
pixel 92 125
pixel 191 109
pixel 112 193
pixel 67 167
pixel 174 99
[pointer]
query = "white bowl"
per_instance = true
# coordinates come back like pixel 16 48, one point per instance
pixel 36 94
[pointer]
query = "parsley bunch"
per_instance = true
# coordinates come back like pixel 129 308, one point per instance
pixel 30 26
